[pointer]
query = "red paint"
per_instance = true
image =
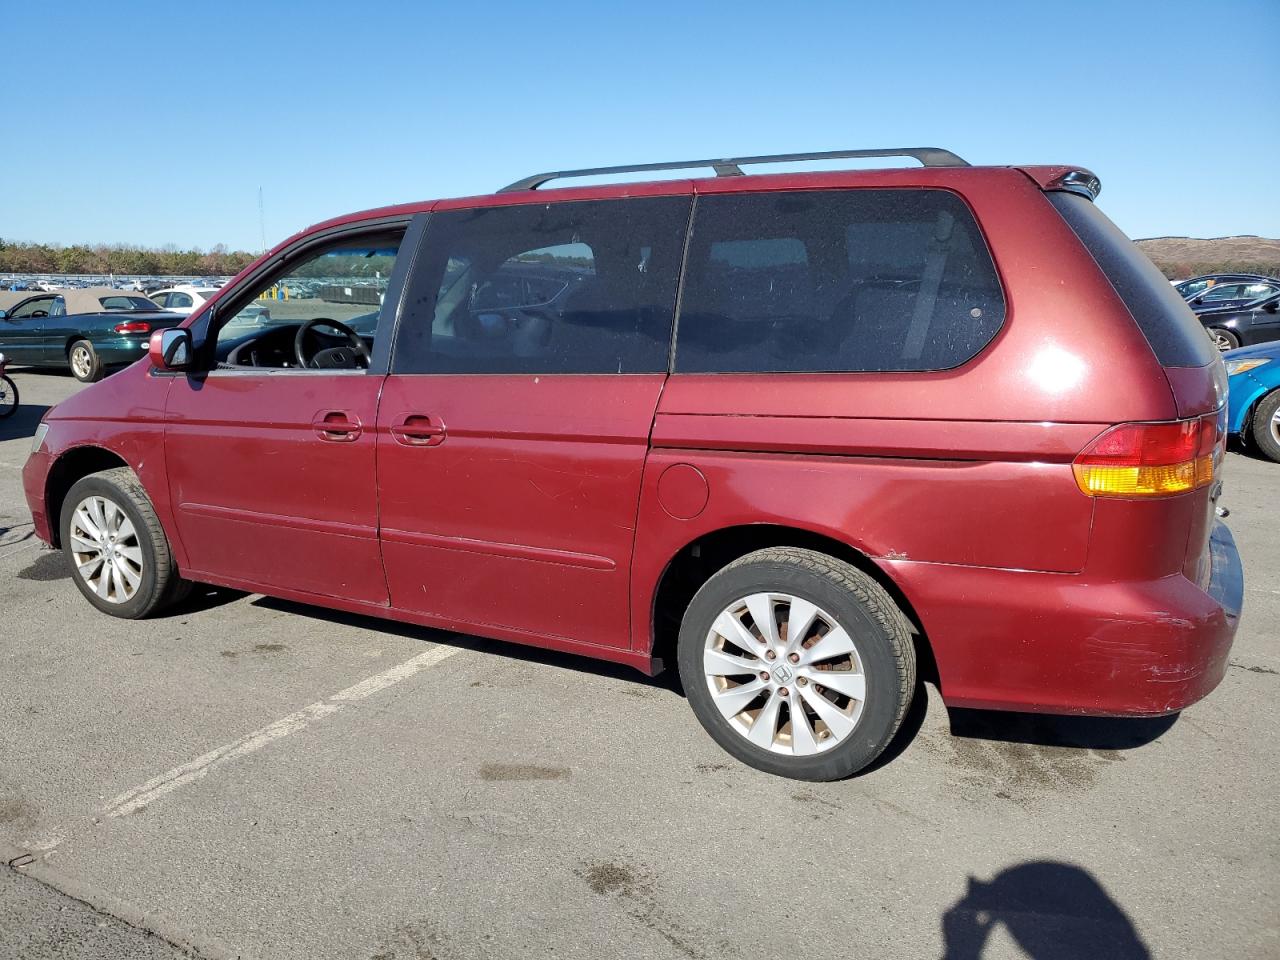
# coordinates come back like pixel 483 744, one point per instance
pixel 545 509
pixel 683 491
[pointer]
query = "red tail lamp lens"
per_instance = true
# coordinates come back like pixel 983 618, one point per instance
pixel 133 326
pixel 1150 459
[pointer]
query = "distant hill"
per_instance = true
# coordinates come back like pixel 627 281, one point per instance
pixel 1182 257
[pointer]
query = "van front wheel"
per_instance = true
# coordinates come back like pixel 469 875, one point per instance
pixel 118 553
pixel 797 663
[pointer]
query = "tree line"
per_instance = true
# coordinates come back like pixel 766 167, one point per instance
pixel 38 258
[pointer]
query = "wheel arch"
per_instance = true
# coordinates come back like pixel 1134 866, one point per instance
pixel 70 466
pixel 695 562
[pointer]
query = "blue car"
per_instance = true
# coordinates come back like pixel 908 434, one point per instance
pixel 1253 399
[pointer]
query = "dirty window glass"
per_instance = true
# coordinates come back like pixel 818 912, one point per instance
pixel 835 281
pixel 569 287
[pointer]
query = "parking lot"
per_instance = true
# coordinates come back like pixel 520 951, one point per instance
pixel 249 777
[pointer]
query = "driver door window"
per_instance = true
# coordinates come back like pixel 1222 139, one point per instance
pixel 318 314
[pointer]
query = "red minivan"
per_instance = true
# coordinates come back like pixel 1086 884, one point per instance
pixel 797 433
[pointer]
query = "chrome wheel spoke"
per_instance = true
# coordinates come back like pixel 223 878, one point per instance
pixel 761 607
pixel 132 554
pixel 81 544
pixel 717 663
pixel 803 741
pixel 125 529
pixel 836 643
pixel 86 523
pixel 731 701
pixel 836 720
pixel 131 577
pixel 852 685
pixel 764 729
pixel 731 628
pixel 799 622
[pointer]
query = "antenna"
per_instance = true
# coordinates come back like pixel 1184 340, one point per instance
pixel 262 222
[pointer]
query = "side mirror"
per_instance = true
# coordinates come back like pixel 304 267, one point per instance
pixel 1198 300
pixel 4 314
pixel 170 349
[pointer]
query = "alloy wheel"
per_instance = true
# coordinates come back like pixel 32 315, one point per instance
pixel 80 363
pixel 105 547
pixel 784 674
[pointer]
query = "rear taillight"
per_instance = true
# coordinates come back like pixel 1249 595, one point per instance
pixel 1150 459
pixel 133 326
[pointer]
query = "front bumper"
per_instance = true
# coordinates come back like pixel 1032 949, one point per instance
pixel 1061 643
pixel 35 476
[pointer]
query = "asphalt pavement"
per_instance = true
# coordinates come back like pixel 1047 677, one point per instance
pixel 247 777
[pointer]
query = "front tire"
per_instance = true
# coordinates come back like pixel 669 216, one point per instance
pixel 86 365
pixel 797 663
pixel 118 553
pixel 1266 426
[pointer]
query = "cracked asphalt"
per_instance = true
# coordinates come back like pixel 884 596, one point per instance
pixel 253 778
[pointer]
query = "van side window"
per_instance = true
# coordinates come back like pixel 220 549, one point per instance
pixel 835 281
pixel 569 287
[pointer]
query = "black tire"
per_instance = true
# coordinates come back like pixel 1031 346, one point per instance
pixel 1223 339
pixel 859 605
pixel 8 398
pixel 1265 428
pixel 88 371
pixel 160 584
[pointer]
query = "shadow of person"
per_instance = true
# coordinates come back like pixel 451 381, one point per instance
pixel 1053 911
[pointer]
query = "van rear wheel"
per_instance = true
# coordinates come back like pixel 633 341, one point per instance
pixel 797 663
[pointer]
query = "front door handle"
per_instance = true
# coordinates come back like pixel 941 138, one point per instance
pixel 337 426
pixel 418 430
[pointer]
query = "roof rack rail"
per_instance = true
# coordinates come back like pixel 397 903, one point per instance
pixel 732 166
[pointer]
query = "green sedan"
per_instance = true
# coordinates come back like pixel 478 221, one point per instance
pixel 88 330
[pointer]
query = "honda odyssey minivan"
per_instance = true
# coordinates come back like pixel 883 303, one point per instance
pixel 795 434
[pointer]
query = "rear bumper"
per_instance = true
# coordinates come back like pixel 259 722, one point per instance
pixel 35 475
pixel 1060 643
pixel 125 348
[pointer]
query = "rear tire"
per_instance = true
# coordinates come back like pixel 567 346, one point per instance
pixel 1266 426
pixel 1223 339
pixel 117 551
pixel 86 365
pixel 850 671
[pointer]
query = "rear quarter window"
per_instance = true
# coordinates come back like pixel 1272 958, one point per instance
pixel 835 281
pixel 1175 335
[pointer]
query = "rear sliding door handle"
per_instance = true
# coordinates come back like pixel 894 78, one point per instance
pixel 418 430
pixel 336 426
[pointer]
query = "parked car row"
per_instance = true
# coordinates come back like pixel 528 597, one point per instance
pixel 135 284
pixel 1237 309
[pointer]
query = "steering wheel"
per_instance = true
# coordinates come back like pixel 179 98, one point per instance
pixel 336 358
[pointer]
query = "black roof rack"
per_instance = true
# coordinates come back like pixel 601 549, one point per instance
pixel 732 166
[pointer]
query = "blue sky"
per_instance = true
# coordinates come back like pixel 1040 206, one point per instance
pixel 156 123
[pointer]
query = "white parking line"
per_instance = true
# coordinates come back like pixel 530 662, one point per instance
pixel 133 800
